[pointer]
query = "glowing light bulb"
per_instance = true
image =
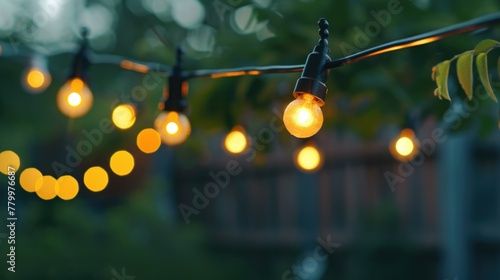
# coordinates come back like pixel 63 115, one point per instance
pixel 303 117
pixel 36 80
pixel 236 141
pixel 173 127
pixel 123 116
pixel 308 158
pixel 405 146
pixel 74 99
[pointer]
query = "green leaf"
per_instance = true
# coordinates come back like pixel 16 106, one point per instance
pixel 482 68
pixel 485 45
pixel 465 73
pixel 443 69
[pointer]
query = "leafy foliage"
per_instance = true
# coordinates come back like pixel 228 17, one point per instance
pixel 465 70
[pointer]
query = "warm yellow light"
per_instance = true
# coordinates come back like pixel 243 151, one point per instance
pixel 123 116
pixel 68 187
pixel 36 80
pixel 74 99
pixel 308 158
pixel 405 146
pixel 148 140
pixel 236 140
pixel 9 161
pixel 48 187
pixel 122 163
pixel 173 127
pixel 96 179
pixel 29 179
pixel 303 117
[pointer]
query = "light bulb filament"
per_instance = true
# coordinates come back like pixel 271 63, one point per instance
pixel 74 99
pixel 172 128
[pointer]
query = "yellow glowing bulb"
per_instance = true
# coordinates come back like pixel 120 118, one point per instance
pixel 29 179
pixel 123 116
pixel 74 99
pixel 404 146
pixel 9 162
pixel 303 117
pixel 148 140
pixel 68 187
pixel 308 159
pixel 122 163
pixel 96 178
pixel 36 80
pixel 48 187
pixel 173 127
pixel 236 140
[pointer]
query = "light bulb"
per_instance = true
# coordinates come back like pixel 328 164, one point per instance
pixel 123 116
pixel 303 117
pixel 173 127
pixel 36 80
pixel 74 99
pixel 236 140
pixel 405 146
pixel 308 158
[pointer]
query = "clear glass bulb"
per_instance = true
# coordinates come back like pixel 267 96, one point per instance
pixel 74 99
pixel 303 117
pixel 173 127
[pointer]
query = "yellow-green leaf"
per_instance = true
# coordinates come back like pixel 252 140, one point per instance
pixel 443 69
pixel 464 72
pixel 485 45
pixel 482 68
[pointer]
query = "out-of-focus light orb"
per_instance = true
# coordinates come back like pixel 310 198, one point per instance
pixel 96 178
pixel 236 141
pixel 9 161
pixel 188 13
pixel 74 99
pixel 124 116
pixel 48 187
pixel 148 141
pixel 68 187
pixel 36 80
pixel 308 158
pixel 173 127
pixel 122 163
pixel 404 146
pixel 29 179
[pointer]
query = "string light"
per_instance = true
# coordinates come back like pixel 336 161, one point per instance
pixel 36 80
pixel 29 179
pixel 68 187
pixel 96 178
pixel 148 140
pixel 48 187
pixel 303 117
pixel 173 127
pixel 9 160
pixel 122 163
pixel 405 146
pixel 308 158
pixel 236 141
pixel 74 99
pixel 124 116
